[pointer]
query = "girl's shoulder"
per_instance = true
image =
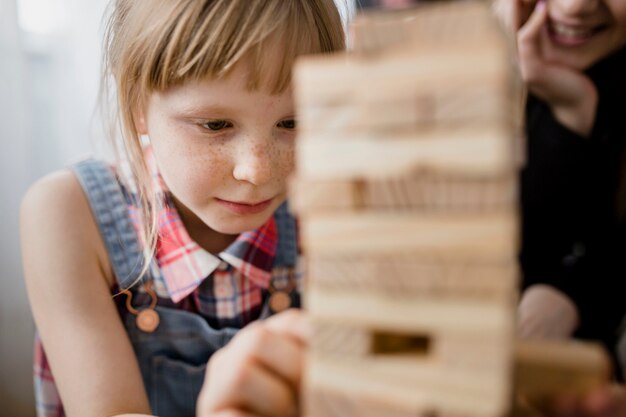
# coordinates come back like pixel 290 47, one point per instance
pixel 56 221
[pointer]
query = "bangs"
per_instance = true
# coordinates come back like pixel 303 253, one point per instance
pixel 207 39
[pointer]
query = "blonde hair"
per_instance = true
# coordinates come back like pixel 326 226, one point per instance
pixel 155 45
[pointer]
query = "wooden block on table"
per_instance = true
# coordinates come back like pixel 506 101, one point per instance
pixel 488 151
pixel 546 368
pixel 481 238
pixel 412 388
pixel 325 402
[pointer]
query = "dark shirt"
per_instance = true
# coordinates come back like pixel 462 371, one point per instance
pixel 572 235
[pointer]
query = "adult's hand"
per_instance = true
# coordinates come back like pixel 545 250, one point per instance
pixel 546 313
pixel 569 93
pixel 608 401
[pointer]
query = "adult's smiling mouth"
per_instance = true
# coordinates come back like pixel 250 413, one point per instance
pixel 572 35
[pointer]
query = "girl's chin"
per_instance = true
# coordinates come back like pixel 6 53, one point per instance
pixel 578 57
pixel 238 226
pixel 570 59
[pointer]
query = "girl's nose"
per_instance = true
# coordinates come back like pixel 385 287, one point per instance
pixel 253 163
pixel 575 8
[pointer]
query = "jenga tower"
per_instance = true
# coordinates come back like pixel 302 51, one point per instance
pixel 406 191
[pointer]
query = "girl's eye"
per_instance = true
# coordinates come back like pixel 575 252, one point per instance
pixel 216 125
pixel 287 124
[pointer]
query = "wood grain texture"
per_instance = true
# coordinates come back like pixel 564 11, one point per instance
pixel 407 276
pixel 487 151
pixel 420 191
pixel 546 368
pixel 439 237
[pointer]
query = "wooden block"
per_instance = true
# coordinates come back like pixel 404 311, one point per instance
pixel 414 192
pixel 324 402
pixel 413 108
pixel 343 78
pixel 488 151
pixel 340 339
pixel 374 33
pixel 406 276
pixel 325 195
pixel 452 23
pixel 546 368
pixel 404 315
pixel 412 387
pixel 437 237
pixel 442 23
pixel 476 352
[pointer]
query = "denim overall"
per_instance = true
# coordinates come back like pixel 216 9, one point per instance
pixel 173 358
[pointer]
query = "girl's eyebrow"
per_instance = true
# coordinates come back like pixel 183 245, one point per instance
pixel 207 108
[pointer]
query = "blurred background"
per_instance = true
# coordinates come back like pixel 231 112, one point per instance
pixel 49 77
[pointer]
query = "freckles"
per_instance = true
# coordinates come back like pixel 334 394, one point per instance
pixel 217 161
pixel 286 160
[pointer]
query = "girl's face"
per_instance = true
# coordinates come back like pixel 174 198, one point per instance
pixel 581 32
pixel 224 152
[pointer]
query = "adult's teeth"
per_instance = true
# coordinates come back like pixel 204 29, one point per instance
pixel 570 31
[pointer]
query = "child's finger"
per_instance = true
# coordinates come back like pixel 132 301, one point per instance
pixel 293 323
pixel 242 384
pixel 275 351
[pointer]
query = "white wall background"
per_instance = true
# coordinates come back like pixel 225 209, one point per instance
pixel 49 66
pixel 49 77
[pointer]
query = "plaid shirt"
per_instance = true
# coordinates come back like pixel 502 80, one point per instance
pixel 227 289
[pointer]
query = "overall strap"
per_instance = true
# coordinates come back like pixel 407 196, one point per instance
pixel 287 246
pixel 110 210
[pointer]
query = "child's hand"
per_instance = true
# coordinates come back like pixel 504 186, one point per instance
pixel 259 371
pixel 546 313
pixel 571 95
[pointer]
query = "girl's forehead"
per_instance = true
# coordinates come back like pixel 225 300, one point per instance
pixel 231 90
pixel 264 68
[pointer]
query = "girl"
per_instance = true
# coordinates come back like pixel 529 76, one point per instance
pixel 136 277
pixel 572 55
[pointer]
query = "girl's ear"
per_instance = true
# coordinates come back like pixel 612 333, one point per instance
pixel 140 122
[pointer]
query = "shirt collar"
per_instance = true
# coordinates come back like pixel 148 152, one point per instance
pixel 184 264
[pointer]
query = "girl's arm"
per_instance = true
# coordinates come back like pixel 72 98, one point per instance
pixel 68 280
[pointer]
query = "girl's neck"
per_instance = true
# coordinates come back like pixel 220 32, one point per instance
pixel 207 238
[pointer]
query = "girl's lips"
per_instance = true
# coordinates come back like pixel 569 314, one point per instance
pixel 244 208
pixel 568 35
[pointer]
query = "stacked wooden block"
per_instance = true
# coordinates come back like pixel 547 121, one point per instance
pixel 406 191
